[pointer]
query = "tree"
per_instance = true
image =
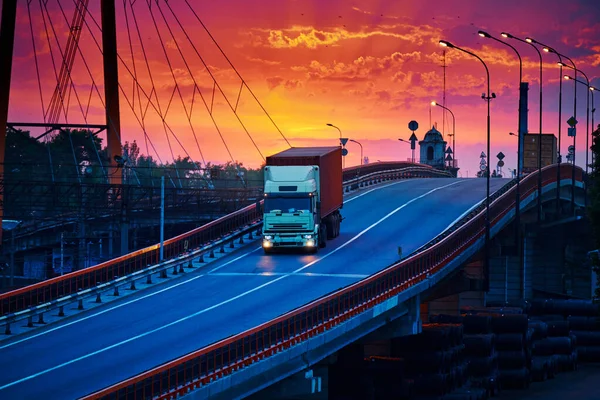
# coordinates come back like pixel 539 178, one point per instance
pixel 593 210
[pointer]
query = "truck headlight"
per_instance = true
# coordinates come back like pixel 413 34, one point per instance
pixel 310 243
pixel 268 237
pixel 308 236
pixel 267 244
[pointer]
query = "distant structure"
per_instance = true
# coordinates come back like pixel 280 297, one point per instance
pixel 433 149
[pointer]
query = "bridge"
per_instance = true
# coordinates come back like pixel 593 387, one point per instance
pixel 207 315
pixel 248 320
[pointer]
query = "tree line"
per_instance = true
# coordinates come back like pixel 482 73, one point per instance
pixel 78 155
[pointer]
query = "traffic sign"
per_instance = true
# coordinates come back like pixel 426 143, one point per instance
pixel 571 149
pixel 449 150
pixel 343 141
pixel 501 163
pixel 572 121
pixel 482 162
pixel 344 152
pixel 413 140
pixel 482 167
pixel 482 155
pixel 501 156
pixel 448 157
pixel 413 125
pixel 571 132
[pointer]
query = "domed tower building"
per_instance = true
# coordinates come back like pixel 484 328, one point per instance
pixel 433 149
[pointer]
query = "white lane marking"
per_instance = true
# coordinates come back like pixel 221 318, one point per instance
pixel 121 305
pixel 243 294
pixel 234 260
pixel 359 276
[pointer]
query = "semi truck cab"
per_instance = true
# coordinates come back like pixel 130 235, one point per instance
pixel 291 205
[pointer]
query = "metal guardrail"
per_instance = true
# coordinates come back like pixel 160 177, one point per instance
pixel 34 300
pixel 222 358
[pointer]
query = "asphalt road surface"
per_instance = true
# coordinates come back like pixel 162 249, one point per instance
pixel 238 292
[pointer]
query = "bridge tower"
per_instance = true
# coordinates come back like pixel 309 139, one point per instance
pixel 7 40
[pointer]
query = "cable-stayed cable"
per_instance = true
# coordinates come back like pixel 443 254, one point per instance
pixel 235 69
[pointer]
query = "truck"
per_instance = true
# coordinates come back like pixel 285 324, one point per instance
pixel 303 195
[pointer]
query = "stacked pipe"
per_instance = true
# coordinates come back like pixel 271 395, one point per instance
pixel 512 343
pixel 577 320
pixel 434 362
pixel 543 365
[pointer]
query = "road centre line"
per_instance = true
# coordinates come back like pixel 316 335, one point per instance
pixel 205 310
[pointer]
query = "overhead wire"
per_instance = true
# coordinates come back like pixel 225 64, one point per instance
pixel 236 71
pixel 216 83
pixel 37 71
pixel 121 87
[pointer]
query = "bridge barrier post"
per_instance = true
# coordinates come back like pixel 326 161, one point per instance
pixel 201 258
pixel 241 240
pixel 7 330
pixel 149 279
pixel 98 298
pixel 190 264
pixel 41 318
pixel 231 245
pixel 212 254
pixel 175 269
pixel 80 304
pixel 222 249
pixel 61 311
pixel 181 270
pixel 163 274
pixel 132 287
pixel 116 291
pixel 30 321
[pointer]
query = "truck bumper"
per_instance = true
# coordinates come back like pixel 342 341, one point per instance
pixel 274 241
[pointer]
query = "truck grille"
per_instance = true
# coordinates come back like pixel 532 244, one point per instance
pixel 288 227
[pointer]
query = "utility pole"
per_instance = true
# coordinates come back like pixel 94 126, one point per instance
pixel 62 252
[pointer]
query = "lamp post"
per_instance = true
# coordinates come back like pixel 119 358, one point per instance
pixel 361 149
pixel 340 131
pixel 574 116
pixel 413 152
pixel 529 41
pixel 549 49
pixel 488 98
pixel 434 103
pixel 593 89
pixel 587 124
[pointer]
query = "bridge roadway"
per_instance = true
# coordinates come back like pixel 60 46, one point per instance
pixel 104 346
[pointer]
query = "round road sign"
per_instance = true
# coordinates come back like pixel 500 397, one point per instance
pixel 501 163
pixel 482 167
pixel 413 125
pixel 571 149
pixel 344 152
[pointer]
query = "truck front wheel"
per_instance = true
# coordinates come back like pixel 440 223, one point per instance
pixel 322 236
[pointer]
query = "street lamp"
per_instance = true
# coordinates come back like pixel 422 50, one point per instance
pixel 488 98
pixel 593 89
pixel 409 143
pixel 361 149
pixel 549 49
pixel 587 124
pixel 529 41
pixel 340 131
pixel 434 103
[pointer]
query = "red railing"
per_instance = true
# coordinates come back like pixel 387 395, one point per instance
pixel 71 283
pixel 222 358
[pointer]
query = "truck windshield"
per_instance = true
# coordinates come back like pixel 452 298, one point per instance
pixel 287 204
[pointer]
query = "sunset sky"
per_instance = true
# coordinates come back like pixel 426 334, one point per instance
pixel 368 67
